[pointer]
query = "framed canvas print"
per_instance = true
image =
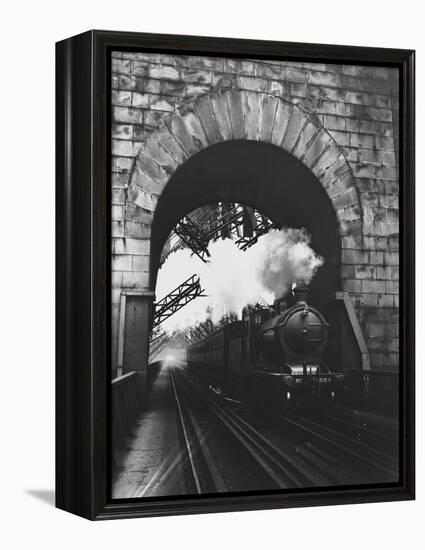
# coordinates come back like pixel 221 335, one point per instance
pixel 235 282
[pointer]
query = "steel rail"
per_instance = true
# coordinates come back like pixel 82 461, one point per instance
pixel 315 433
pixel 273 461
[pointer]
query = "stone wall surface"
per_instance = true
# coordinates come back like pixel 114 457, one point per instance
pixel 152 102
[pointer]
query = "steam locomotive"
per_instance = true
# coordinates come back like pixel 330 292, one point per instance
pixel 272 357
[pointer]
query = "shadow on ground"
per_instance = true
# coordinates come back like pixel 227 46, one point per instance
pixel 45 495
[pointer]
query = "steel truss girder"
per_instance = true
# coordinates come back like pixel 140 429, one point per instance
pixel 178 298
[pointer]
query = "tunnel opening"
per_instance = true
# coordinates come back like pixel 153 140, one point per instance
pixel 260 176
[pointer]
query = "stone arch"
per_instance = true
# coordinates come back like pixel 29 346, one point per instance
pixel 247 115
pixel 195 128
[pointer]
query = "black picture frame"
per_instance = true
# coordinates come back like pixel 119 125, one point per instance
pixel 83 278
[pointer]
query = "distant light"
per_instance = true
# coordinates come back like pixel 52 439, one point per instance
pixel 170 358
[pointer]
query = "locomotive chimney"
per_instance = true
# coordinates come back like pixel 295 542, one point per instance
pixel 300 293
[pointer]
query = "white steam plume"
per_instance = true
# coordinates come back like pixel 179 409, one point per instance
pixel 233 278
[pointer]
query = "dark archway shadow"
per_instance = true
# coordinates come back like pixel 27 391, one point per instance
pixel 45 495
pixel 264 177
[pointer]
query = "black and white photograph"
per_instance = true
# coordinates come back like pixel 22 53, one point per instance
pixel 254 275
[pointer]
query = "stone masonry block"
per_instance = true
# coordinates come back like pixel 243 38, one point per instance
pixel 327 159
pixel 350 227
pixel 131 246
pixel 252 110
pixel 127 115
pixel 283 89
pixel 141 263
pixel 121 98
pixel 352 241
pixel 222 117
pixel 207 119
pixel 296 123
pixel 162 104
pixel 178 129
pixel 121 262
pixel 352 285
pixel 316 148
pixel 268 111
pixel 349 213
pixel 334 122
pixel 296 74
pixel 124 148
pixel 197 76
pixel 140 180
pixel 136 230
pixel 173 88
pixel 135 279
pixel 319 78
pixel 386 300
pixel 305 138
pixel 117 229
pixel 122 131
pixel 282 117
pixel 365 272
pixel 121 66
pixel 137 214
pixel 145 200
pixel 236 112
pixel 194 126
pixel 146 164
pixel 346 198
pixel 251 84
pixel 171 145
pixel 139 68
pixel 340 185
pixel 164 71
pixel 161 156
pixel 195 90
pixel 354 257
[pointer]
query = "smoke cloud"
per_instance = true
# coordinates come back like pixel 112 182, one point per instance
pixel 233 278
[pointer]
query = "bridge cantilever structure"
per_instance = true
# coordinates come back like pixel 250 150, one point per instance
pixel 232 220
pixel 176 299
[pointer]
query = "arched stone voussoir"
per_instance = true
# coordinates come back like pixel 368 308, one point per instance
pixel 326 159
pixel 178 129
pixel 142 198
pixel 347 198
pixel 281 119
pixel 268 114
pixel 169 142
pixel 296 124
pixel 220 109
pixel 191 119
pixel 306 137
pixel 228 115
pixel 208 121
pixel 149 168
pixel 160 155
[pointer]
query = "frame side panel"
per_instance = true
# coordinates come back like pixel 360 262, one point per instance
pixel 73 275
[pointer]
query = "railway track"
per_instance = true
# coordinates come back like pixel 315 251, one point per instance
pixel 282 470
pixel 339 444
pixel 223 450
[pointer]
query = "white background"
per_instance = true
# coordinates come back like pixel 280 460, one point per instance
pixel 29 31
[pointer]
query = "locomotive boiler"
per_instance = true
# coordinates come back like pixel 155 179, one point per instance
pixel 273 357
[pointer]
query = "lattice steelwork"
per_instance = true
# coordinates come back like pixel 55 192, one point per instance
pixel 178 298
pixel 223 220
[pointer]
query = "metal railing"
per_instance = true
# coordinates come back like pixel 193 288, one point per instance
pixel 373 391
pixel 128 398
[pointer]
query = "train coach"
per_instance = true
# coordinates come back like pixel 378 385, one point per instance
pixel 272 357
